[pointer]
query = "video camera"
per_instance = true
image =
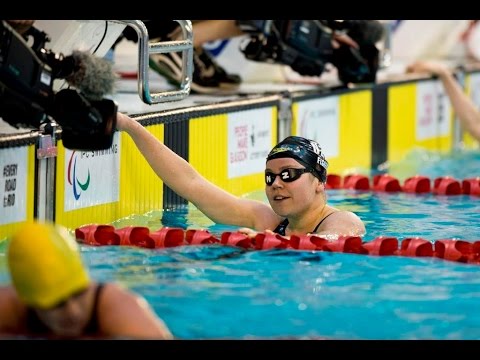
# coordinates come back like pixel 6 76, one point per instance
pixel 27 96
pixel 306 46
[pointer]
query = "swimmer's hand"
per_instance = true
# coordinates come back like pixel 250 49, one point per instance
pixel 123 120
pixel 252 233
pixel 248 232
pixel 428 67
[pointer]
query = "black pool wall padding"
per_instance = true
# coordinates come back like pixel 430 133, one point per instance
pixel 176 138
pixel 379 125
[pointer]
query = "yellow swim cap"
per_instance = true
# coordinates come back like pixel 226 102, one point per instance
pixel 45 265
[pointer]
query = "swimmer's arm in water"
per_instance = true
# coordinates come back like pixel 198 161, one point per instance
pixel 11 312
pixel 124 314
pixel 216 203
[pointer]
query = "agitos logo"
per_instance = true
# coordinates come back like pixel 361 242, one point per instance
pixel 72 175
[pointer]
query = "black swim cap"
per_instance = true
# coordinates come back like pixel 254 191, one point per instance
pixel 306 152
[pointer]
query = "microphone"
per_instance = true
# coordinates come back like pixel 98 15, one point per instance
pixel 92 76
pixel 87 118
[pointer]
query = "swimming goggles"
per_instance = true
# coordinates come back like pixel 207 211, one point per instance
pixel 287 175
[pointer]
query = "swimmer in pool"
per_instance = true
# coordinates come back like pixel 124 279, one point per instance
pixel 52 295
pixel 466 110
pixel 295 178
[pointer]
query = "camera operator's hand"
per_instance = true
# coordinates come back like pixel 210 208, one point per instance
pixel 21 26
pixel 341 38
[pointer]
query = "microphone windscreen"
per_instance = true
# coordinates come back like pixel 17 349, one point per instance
pixel 366 31
pixel 93 76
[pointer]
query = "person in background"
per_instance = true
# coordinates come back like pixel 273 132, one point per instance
pixel 208 76
pixel 349 45
pixel 52 295
pixel 21 26
pixel 467 112
pixel 295 177
pixel 353 50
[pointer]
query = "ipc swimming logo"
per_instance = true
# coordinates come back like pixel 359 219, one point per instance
pixel 73 179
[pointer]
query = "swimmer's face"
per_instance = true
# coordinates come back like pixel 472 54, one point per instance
pixel 290 198
pixel 70 317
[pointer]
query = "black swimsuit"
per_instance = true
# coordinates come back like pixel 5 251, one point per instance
pixel 280 229
pixel 35 326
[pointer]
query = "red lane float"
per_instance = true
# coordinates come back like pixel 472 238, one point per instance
pixel 356 182
pixel 418 184
pixel 447 249
pixel 415 247
pixel 471 186
pixel 198 237
pixel 266 241
pixel 97 235
pixel 334 181
pixel 386 183
pixel 446 185
pixel 136 236
pixel 454 250
pixel 168 237
pixel 382 246
pixel 307 242
pixel 236 239
pixel 346 244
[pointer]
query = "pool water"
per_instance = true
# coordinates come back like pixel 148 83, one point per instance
pixel 220 292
